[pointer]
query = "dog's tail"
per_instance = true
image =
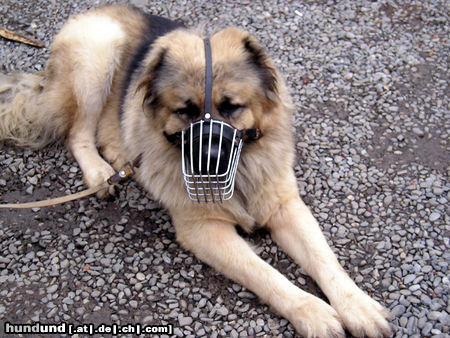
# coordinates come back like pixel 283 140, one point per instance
pixel 29 115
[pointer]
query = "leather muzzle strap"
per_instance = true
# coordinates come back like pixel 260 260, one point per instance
pixel 250 135
pixel 208 78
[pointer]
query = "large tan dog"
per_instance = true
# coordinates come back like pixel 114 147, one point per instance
pixel 121 81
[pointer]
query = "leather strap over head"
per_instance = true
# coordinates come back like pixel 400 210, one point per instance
pixel 208 79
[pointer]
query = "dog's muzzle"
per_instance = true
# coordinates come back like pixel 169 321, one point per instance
pixel 210 155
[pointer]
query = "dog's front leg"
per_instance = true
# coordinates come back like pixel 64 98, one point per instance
pixel 218 244
pixel 298 233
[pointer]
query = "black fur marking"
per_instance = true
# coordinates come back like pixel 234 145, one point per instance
pixel 259 59
pixel 227 109
pixel 150 83
pixel 156 27
pixel 175 139
pixel 191 110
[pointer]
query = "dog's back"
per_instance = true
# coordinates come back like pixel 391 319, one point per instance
pixel 87 54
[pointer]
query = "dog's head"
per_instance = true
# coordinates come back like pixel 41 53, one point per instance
pixel 247 97
pixel 246 85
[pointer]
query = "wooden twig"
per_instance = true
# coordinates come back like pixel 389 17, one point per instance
pixel 7 34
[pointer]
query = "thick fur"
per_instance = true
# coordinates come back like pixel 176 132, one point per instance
pixel 25 114
pixel 119 80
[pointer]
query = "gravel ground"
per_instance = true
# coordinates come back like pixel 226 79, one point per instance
pixel 370 85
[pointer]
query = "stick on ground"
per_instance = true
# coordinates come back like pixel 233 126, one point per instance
pixel 7 34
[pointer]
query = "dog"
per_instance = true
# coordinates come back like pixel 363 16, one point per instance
pixel 126 85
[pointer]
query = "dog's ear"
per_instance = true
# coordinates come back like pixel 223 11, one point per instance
pixel 255 55
pixel 264 66
pixel 148 83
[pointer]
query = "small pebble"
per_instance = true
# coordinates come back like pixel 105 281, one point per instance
pixel 184 321
pixel 52 289
pixel 434 216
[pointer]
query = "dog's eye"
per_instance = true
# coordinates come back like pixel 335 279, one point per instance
pixel 227 109
pixel 190 110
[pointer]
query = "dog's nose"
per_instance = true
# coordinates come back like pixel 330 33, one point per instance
pixel 210 158
pixel 209 148
pixel 213 155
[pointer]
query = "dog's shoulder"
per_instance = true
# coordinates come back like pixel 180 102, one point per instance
pixel 137 21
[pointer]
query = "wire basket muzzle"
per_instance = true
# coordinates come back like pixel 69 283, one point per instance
pixel 210 155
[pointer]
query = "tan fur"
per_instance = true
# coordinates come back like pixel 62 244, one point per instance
pixel 26 117
pixel 84 79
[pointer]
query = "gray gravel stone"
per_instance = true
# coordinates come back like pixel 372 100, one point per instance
pixel 52 289
pixel 418 131
pixel 223 311
pixel 398 310
pixel 109 248
pixel 184 321
pixel 427 329
pixel 434 216
pixel 409 278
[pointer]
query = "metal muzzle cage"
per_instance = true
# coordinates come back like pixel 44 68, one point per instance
pixel 210 149
pixel 210 155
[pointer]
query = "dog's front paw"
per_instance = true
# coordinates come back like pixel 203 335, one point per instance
pixel 312 317
pixel 363 316
pixel 96 175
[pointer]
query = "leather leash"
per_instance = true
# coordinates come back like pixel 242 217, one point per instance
pixel 126 171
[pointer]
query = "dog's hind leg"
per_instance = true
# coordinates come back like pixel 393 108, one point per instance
pixel 91 87
pixel 82 144
pixel 109 135
pixel 218 244
pixel 295 229
pixel 85 56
